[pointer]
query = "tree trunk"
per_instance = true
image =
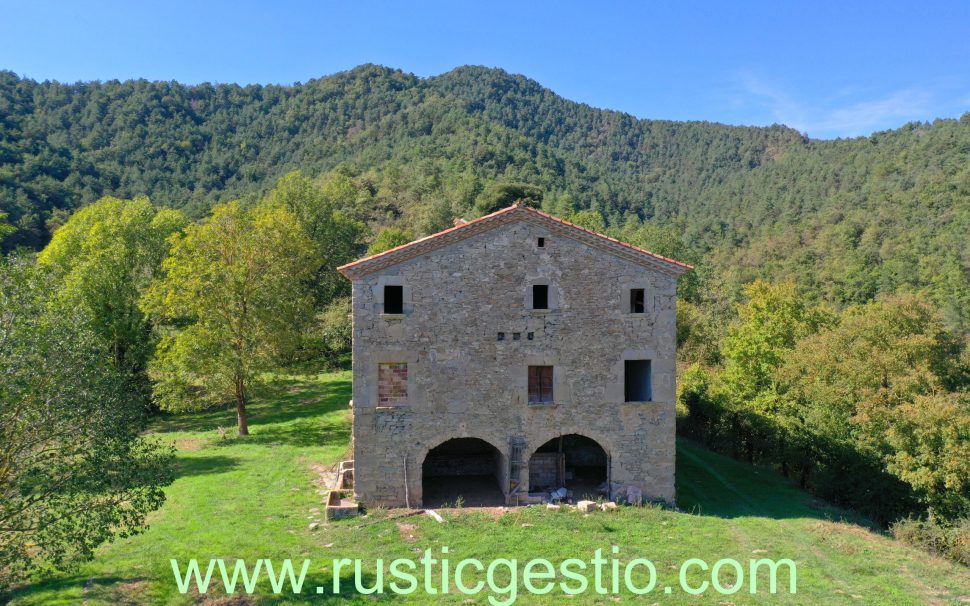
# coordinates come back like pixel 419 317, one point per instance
pixel 241 407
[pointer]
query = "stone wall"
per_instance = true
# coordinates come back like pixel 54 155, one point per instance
pixel 462 381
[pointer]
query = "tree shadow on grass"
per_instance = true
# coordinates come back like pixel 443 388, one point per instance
pixel 295 400
pixel 348 590
pixel 712 484
pixel 304 433
pixel 283 401
pixel 91 586
pixel 202 465
pixel 301 415
pixel 116 589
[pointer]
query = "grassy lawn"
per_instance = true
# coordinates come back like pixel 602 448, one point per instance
pixel 256 497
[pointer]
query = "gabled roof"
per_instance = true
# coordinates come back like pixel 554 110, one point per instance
pixel 516 212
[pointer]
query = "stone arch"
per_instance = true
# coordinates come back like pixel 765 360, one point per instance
pixel 605 443
pixel 575 460
pixel 498 440
pixel 469 468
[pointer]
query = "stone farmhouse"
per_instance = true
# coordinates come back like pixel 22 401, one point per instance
pixel 509 357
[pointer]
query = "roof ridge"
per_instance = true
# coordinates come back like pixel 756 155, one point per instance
pixel 472 227
pixel 424 239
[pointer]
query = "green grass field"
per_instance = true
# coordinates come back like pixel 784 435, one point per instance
pixel 256 497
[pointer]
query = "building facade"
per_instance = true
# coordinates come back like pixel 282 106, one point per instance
pixel 510 355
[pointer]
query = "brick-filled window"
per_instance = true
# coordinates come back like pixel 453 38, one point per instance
pixel 540 384
pixel 393 299
pixel 637 305
pixel 392 384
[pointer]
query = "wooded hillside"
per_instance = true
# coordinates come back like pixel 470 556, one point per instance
pixel 844 219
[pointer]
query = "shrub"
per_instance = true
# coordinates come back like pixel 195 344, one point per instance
pixel 949 540
pixel 329 340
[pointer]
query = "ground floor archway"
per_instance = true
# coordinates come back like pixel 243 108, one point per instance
pixel 462 470
pixel 574 462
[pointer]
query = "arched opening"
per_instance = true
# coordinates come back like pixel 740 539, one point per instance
pixel 574 462
pixel 462 470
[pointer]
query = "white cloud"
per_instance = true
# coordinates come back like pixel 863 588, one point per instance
pixel 844 113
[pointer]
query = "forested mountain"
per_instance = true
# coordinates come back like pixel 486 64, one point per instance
pixel 824 332
pixel 845 219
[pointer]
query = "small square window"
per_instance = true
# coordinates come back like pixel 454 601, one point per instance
pixel 501 336
pixel 393 299
pixel 637 381
pixel 516 336
pixel 540 296
pixel 541 243
pixel 540 384
pixel 530 336
pixel 637 301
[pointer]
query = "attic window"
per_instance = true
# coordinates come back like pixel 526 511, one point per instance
pixel 541 243
pixel 393 299
pixel 540 296
pixel 636 301
pixel 637 381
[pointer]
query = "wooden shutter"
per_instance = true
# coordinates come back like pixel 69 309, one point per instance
pixel 534 384
pixel 545 384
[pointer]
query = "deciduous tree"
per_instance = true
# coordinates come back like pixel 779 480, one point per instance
pixel 772 319
pixel 388 239
pixel 74 471
pixel 104 257
pixel 232 300
pixel 322 211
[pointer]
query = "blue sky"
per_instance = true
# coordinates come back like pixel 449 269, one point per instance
pixel 827 68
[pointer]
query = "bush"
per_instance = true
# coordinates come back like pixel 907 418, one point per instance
pixel 949 540
pixel 329 339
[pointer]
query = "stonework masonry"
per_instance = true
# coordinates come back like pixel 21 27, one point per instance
pixel 439 371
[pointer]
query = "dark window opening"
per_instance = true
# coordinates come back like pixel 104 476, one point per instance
pixel 637 381
pixel 540 384
pixel 531 335
pixel 542 243
pixel 501 336
pixel 393 299
pixel 540 296
pixel 516 336
pixel 636 301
